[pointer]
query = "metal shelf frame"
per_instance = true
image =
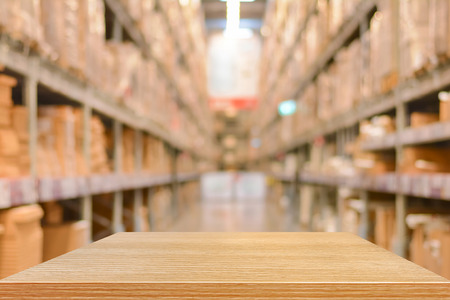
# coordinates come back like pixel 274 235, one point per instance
pixel 38 71
pixel 402 186
pixel 347 29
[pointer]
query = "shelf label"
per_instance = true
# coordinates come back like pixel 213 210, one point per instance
pixel 45 189
pixel 5 193
pixel 28 188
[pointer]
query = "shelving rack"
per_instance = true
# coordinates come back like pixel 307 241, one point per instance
pixel 34 72
pixel 402 186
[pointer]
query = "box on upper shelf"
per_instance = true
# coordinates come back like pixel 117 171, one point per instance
pixel 418 160
pixel 419 119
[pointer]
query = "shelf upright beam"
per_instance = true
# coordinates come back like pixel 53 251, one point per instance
pixel 86 204
pixel 117 33
pixel 30 94
pixel 401 200
pixel 175 183
pixel 364 225
pixel 363 230
pixel 138 193
pixel 117 221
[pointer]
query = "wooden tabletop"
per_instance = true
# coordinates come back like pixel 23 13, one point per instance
pixel 228 266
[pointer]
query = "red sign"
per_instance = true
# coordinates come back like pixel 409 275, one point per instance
pixel 242 103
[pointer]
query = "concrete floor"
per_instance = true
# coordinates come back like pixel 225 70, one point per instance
pixel 234 215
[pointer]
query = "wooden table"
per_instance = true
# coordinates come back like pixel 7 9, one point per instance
pixel 228 266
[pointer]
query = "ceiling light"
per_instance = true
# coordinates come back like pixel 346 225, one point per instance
pixel 232 29
pixel 240 0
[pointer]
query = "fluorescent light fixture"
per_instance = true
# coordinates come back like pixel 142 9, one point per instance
pixel 240 0
pixel 184 2
pixel 287 107
pixel 232 29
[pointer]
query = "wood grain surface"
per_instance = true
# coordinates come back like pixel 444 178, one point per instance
pixel 228 266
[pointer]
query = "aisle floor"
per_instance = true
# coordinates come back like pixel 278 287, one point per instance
pixel 235 215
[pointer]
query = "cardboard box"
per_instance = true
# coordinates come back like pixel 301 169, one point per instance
pixel 385 226
pixel 62 238
pixel 9 167
pixel 53 212
pixel 5 116
pixel 6 85
pixel 444 111
pixel 418 160
pixel 419 119
pixel 19 117
pixel 9 143
pixel 22 241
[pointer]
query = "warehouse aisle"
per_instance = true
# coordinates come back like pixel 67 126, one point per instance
pixel 235 215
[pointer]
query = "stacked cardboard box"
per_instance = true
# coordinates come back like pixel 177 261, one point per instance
pixel 100 163
pixel 417 160
pixel 64 237
pixel 21 20
pixel 156 157
pixel 185 163
pixel 430 243
pixel 22 240
pixel 385 226
pixel 419 119
pixel 56 136
pixel 14 139
pixel 128 165
pixel 161 209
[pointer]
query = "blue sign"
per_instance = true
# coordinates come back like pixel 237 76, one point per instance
pixel 287 107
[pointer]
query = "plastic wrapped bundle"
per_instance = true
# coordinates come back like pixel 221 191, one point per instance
pixel 21 20
pixel 414 27
pixel 439 31
pixel 92 39
pixel 61 31
pixel 125 59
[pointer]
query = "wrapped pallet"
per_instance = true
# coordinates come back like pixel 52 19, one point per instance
pixel 21 20
pixel 61 24
pixel 312 36
pixel 91 40
pixel 22 240
pixel 439 31
pixel 415 38
pixel 384 48
pixel 336 15
pixel 122 68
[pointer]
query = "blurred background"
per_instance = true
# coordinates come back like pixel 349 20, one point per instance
pixel 216 115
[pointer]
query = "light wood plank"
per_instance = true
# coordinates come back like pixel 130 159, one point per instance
pixel 228 266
